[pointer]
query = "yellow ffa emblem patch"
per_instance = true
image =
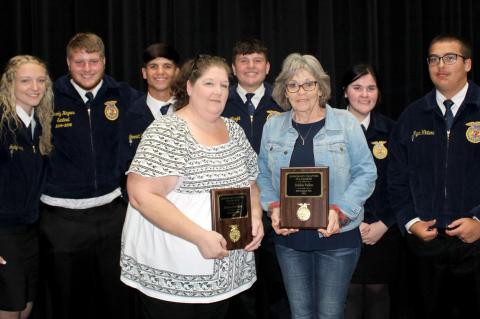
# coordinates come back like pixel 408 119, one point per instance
pixel 379 150
pixel 473 132
pixel 271 112
pixel 111 110
pixel 235 118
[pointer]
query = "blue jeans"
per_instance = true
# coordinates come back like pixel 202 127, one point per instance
pixel 317 281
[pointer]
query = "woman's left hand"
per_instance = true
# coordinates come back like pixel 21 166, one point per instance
pixel 333 226
pixel 257 233
pixel 377 229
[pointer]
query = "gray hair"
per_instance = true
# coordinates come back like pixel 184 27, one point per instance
pixel 291 65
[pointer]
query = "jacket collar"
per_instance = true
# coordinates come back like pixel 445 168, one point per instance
pixel 472 98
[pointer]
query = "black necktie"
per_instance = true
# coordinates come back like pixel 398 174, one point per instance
pixel 30 131
pixel 89 96
pixel 448 113
pixel 250 106
pixel 364 128
pixel 164 109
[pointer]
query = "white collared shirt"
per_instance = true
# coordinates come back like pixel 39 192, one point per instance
pixel 366 121
pixel 82 91
pixel 457 100
pixel 259 93
pixel 155 105
pixel 26 119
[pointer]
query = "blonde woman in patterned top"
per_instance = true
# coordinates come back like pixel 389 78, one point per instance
pixel 170 254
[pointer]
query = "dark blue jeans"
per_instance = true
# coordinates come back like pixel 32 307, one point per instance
pixel 317 281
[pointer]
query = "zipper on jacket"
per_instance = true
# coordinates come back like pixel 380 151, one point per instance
pixel 446 166
pixel 93 149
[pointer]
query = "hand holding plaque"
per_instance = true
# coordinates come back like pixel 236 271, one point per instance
pixel 304 197
pixel 231 215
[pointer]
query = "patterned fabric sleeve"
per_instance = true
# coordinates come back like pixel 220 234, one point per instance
pixel 162 149
pixel 249 154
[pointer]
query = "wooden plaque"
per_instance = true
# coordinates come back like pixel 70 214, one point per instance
pixel 231 215
pixel 304 197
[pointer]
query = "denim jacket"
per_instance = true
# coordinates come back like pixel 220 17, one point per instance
pixel 340 145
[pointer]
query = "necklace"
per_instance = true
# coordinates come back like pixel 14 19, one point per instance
pixel 306 135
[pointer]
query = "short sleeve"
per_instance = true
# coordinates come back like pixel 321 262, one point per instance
pixel 162 150
pixel 249 155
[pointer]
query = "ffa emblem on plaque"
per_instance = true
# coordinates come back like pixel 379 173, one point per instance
pixel 473 132
pixel 379 149
pixel 234 233
pixel 271 113
pixel 111 110
pixel 303 213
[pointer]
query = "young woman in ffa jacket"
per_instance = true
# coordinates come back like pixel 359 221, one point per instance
pixel 368 294
pixel 25 140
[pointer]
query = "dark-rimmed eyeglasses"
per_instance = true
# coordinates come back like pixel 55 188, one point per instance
pixel 294 87
pixel 449 58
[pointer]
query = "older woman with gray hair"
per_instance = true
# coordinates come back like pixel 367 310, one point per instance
pixel 316 264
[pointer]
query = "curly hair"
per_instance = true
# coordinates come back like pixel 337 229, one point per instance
pixel 191 71
pixel 43 111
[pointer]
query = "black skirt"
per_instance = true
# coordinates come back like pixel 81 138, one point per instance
pixel 379 263
pixel 19 277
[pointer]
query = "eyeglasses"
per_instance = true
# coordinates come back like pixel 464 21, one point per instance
pixel 449 58
pixel 294 87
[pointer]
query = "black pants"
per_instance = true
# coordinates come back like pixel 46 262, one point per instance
pixel 445 277
pixel 152 308
pixel 81 252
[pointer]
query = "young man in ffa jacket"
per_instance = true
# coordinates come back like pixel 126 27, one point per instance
pixel 83 213
pixel 160 68
pixel 434 177
pixel 250 101
pixel 250 104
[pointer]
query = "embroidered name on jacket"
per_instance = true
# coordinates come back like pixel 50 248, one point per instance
pixel 63 119
pixel 14 148
pixel 416 134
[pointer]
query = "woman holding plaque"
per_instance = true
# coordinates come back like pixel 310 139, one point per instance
pixel 368 295
pixel 316 265
pixel 26 111
pixel 170 254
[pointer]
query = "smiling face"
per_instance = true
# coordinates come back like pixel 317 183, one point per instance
pixel 449 79
pixel 209 93
pixel 159 74
pixel 251 70
pixel 362 95
pixel 87 69
pixel 303 101
pixel 30 85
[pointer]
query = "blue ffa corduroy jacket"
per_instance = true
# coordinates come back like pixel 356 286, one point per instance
pixel 377 206
pixel 138 117
pixel 235 109
pixel 22 174
pixel 84 162
pixel 430 175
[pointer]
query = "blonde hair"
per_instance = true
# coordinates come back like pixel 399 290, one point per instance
pixel 291 65
pixel 89 42
pixel 44 110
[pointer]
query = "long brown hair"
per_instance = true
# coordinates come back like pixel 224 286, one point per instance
pixel 44 110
